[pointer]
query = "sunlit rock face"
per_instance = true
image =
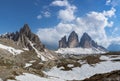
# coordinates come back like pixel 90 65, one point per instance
pixel 73 40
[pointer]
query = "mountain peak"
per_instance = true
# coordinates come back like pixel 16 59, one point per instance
pixel 86 36
pixel 25 30
pixel 73 40
pixel 86 41
pixel 73 33
pixel 26 27
pixel 63 42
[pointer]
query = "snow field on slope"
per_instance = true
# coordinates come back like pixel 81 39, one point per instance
pixel 78 51
pixel 85 71
pixel 11 49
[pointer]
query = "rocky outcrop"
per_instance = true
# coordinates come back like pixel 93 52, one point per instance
pixel 23 37
pixel 63 42
pixel 73 40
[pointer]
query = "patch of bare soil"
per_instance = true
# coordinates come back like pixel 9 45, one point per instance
pixel 65 64
pixel 92 59
pixel 112 53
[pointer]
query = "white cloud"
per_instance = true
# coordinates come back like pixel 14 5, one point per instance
pixel 46 14
pixel 67 14
pixel 113 3
pixel 60 3
pixel 110 13
pixel 39 17
pixel 108 2
pixel 94 23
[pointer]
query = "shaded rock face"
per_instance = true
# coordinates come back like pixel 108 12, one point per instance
pixel 87 42
pixel 73 40
pixel 63 42
pixel 23 37
pixel 25 34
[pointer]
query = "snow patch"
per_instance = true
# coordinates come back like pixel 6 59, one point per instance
pixel 32 61
pixel 70 65
pixel 28 65
pixel 104 58
pixel 1 79
pixel 78 51
pixel 39 54
pixel 26 49
pixel 11 49
pixel 85 71
pixel 110 57
pixel 32 77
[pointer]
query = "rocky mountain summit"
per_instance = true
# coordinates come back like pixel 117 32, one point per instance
pixel 25 39
pixel 85 42
pixel 63 42
pixel 73 40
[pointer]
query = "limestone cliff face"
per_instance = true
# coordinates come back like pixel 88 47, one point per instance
pixel 85 41
pixel 63 42
pixel 73 40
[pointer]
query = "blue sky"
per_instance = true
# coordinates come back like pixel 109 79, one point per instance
pixel 52 19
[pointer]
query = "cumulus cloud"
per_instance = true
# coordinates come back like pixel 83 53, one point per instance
pixel 67 14
pixel 113 3
pixel 108 2
pixel 60 3
pixel 110 13
pixel 39 17
pixel 46 14
pixel 94 23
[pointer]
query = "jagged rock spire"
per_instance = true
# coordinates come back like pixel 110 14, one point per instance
pixel 63 42
pixel 87 42
pixel 25 30
pixel 73 40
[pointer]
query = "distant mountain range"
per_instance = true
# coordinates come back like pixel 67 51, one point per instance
pixel 114 47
